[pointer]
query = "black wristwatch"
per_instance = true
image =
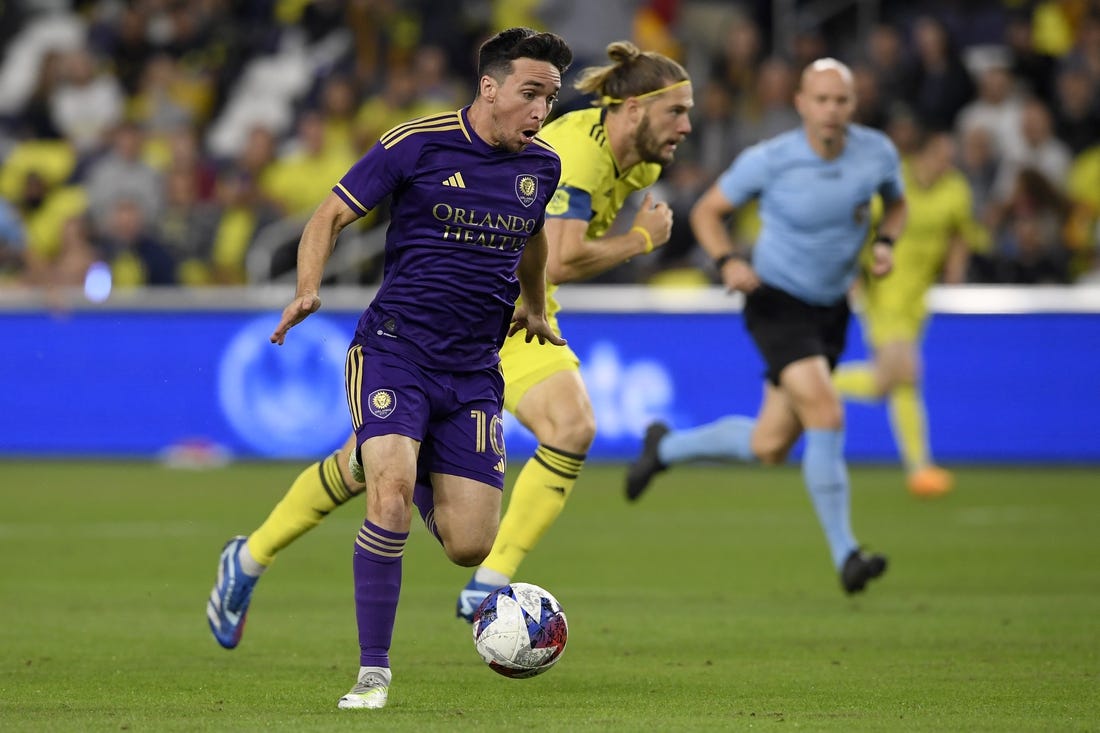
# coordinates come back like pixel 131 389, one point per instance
pixel 721 260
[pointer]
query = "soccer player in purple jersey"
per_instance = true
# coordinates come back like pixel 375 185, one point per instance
pixel 424 386
pixel 607 152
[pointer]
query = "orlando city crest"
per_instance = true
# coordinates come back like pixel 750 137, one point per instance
pixel 382 402
pixel 527 187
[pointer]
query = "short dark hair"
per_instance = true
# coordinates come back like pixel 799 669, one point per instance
pixel 496 55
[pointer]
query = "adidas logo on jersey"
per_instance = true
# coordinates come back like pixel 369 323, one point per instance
pixel 455 180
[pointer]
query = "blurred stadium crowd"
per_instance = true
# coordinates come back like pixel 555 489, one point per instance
pixel 183 142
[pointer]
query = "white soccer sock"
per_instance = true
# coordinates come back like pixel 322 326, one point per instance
pixel 248 563
pixel 490 577
pixel 383 672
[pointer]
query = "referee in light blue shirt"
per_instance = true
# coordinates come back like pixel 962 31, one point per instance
pixel 814 186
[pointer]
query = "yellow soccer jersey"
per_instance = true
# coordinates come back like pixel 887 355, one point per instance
pixel 1083 177
pixel 894 305
pixel 591 187
pixel 1084 193
pixel 937 213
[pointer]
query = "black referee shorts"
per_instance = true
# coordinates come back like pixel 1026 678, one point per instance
pixel 786 329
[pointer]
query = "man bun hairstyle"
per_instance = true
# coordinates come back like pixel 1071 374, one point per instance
pixel 496 55
pixel 631 73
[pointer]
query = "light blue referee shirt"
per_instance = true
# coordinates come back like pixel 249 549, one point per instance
pixel 814 212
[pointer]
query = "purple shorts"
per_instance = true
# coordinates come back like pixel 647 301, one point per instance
pixel 454 415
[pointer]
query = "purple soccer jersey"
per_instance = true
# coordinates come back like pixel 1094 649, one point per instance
pixel 462 212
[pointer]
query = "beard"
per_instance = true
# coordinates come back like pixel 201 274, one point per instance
pixel 650 149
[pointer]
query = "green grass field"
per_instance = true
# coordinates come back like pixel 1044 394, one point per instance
pixel 709 605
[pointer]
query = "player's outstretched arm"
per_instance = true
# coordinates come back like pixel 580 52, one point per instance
pixel 314 248
pixel 891 227
pixel 573 256
pixel 531 316
pixel 957 261
pixel 708 224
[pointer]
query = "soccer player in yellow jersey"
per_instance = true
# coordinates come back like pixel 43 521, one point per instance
pixel 894 310
pixel 607 152
pixel 1084 195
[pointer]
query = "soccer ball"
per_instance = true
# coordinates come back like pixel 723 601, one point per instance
pixel 520 630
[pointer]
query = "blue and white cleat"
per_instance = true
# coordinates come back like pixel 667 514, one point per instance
pixel 228 605
pixel 470 597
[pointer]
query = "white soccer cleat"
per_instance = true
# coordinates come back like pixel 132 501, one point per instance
pixel 370 692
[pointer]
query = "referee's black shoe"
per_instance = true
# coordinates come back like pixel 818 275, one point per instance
pixel 860 568
pixel 648 464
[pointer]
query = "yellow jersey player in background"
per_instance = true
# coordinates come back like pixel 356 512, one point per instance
pixel 895 312
pixel 607 153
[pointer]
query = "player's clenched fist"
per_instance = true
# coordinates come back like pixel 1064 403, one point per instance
pixel 655 218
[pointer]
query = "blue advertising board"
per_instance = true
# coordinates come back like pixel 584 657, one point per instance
pixel 122 382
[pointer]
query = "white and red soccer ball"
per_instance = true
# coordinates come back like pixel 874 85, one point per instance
pixel 520 630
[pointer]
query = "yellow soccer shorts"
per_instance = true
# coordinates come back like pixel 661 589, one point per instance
pixel 526 364
pixel 890 316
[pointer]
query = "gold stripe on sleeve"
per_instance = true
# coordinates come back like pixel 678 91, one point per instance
pixel 362 209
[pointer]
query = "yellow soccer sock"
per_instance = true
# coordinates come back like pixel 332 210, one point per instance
pixel 856 381
pixel 540 493
pixel 910 426
pixel 318 490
